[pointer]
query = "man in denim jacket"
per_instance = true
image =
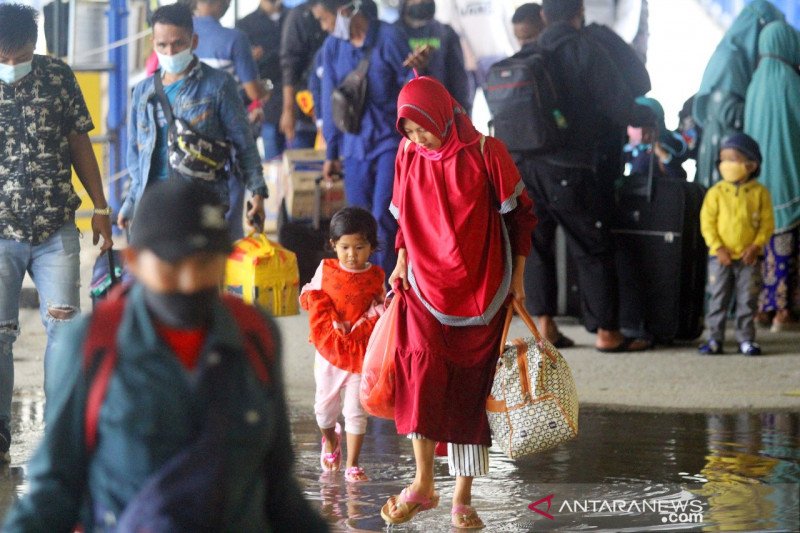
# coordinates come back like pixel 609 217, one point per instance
pixel 206 98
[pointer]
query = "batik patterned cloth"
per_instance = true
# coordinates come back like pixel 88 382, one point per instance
pixel 781 284
pixel 37 114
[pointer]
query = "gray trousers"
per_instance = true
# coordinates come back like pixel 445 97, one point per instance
pixel 725 281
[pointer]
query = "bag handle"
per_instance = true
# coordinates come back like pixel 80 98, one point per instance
pixel 526 318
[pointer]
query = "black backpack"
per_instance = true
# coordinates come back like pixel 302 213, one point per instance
pixel 524 103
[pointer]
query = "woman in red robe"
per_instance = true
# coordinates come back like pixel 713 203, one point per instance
pixel 465 224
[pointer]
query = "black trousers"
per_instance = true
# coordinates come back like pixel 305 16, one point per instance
pixel 574 199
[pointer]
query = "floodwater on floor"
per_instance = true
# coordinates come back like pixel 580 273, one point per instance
pixel 625 472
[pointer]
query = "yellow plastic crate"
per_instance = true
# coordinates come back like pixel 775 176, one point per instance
pixel 264 273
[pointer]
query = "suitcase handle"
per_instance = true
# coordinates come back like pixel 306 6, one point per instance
pixel 650 175
pixel 111 268
pixel 317 214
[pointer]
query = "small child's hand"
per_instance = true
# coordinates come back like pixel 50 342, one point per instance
pixel 750 254
pixel 723 256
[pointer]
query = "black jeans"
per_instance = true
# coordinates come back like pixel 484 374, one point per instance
pixel 573 199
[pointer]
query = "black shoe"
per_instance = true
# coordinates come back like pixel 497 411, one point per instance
pixel 5 443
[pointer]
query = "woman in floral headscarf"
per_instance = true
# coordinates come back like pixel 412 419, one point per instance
pixel 465 224
pixel 719 104
pixel 772 117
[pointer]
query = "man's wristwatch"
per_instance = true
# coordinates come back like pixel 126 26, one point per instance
pixel 104 211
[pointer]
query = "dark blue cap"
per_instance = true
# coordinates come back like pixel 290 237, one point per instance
pixel 745 144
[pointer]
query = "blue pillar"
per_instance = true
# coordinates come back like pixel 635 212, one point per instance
pixel 117 99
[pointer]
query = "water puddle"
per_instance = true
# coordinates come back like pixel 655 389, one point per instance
pixel 625 472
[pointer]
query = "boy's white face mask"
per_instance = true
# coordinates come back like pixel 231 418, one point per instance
pixel 14 73
pixel 733 171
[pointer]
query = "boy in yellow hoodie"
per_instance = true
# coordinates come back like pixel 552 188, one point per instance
pixel 736 222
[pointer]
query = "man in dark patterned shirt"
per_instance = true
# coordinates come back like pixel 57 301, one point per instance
pixel 44 127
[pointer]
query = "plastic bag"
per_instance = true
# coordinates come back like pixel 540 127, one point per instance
pixel 378 372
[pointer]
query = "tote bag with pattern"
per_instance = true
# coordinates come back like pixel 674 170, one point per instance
pixel 533 405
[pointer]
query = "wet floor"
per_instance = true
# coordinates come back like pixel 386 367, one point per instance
pixel 625 472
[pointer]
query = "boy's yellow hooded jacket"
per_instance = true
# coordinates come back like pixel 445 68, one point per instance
pixel 736 215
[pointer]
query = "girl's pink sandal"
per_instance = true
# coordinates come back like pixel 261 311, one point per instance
pixel 355 474
pixel 330 461
pixel 465 517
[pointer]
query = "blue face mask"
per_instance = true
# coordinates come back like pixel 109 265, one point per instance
pixel 14 73
pixel 176 63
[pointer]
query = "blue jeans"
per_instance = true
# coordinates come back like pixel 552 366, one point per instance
pixel 54 266
pixel 368 184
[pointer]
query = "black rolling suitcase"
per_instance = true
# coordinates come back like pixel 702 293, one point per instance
pixel 307 239
pixel 661 256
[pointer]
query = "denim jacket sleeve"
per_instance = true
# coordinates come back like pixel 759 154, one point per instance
pixel 233 118
pixel 57 472
pixel 134 168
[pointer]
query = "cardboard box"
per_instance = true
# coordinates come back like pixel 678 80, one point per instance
pixel 300 170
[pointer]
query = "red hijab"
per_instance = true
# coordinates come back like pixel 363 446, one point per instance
pixel 447 203
pixel 426 101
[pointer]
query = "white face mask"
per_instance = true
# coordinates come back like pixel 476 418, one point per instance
pixel 341 29
pixel 14 73
pixel 176 63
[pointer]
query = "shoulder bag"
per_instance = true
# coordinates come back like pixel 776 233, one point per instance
pixel 190 153
pixel 349 98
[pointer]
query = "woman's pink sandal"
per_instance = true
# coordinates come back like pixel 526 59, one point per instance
pixel 465 517
pixel 409 504
pixel 355 474
pixel 330 461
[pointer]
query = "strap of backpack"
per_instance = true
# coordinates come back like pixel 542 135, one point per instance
pixel 259 344
pixel 100 358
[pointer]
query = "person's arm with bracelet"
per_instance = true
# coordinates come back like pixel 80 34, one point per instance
pixel 88 172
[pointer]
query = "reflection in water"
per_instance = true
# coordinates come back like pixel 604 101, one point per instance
pixel 637 460
pixel 750 459
pixel 741 471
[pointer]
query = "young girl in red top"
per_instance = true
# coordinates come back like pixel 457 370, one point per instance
pixel 342 301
